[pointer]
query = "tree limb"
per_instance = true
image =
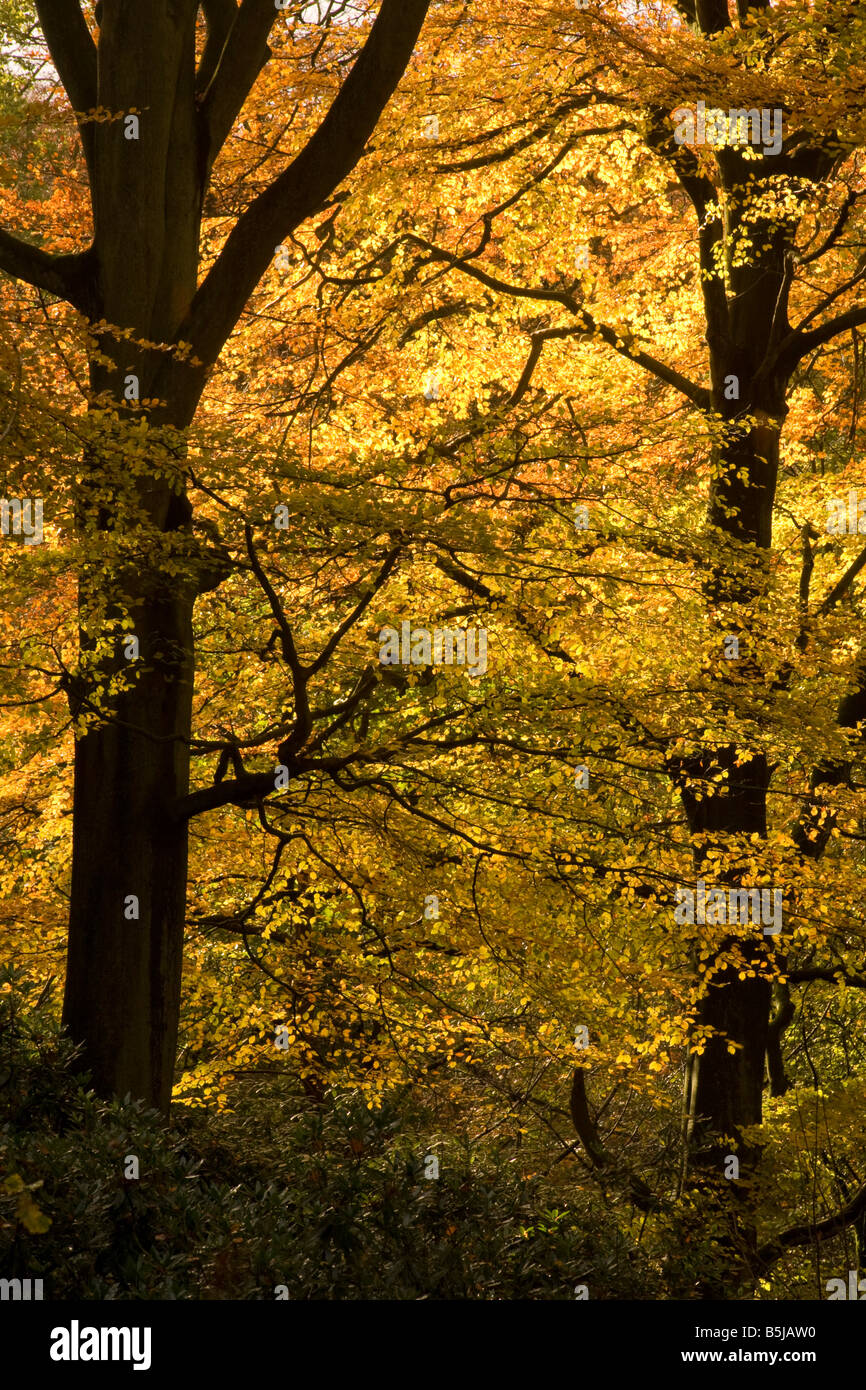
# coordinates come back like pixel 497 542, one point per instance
pixel 235 792
pixel 798 345
pixel 813 1234
pixel 698 395
pixel 219 17
pixel 324 162
pixel 337 636
pixel 783 1013
pixel 303 721
pixel 69 277
pixel 828 974
pixel 585 1127
pixel 699 189
pixel 816 823
pixel 843 585
pixel 836 230
pixel 243 52
pixel 587 1132
pixel 73 54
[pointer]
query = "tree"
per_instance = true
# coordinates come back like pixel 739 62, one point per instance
pixel 153 116
pixel 775 193
pixel 769 212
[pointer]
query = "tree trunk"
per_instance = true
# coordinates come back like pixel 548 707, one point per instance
pixel 123 974
pixel 724 1089
pixel 129 856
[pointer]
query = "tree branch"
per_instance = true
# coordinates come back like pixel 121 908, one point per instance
pixel 243 52
pixel 816 823
pixel 337 636
pixel 219 16
pixel 476 586
pixel 235 792
pixel 798 345
pixel 303 720
pixel 324 162
pixel 783 1013
pixel 73 54
pixel 698 395
pixel 600 1157
pixel 828 974
pixel 843 585
pixel 836 230
pixel 659 137
pixel 68 277
pixel 364 687
pixel 812 1234
pixel 584 1125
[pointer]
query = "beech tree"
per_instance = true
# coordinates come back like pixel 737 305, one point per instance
pixel 774 190
pixel 154 109
pixel 777 235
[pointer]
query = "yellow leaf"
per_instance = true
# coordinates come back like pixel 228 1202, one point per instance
pixel 34 1220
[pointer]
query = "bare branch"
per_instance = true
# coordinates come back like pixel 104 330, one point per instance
pixel 813 1234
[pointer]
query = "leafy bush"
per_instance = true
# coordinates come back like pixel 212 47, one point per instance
pixel 328 1200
